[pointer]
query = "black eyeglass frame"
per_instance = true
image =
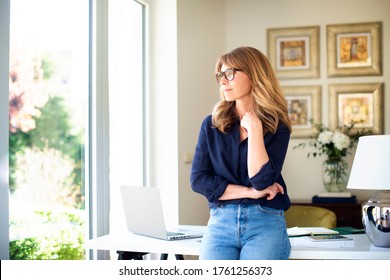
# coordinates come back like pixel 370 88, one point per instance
pixel 221 74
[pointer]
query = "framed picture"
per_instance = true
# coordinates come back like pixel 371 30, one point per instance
pixel 304 105
pixel 359 103
pixel 354 49
pixel 294 52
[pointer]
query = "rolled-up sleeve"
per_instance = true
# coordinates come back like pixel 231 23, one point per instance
pixel 276 145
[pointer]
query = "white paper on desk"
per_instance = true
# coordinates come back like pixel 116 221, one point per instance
pixel 301 231
pixel 306 242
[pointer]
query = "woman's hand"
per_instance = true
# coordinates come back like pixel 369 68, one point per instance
pixel 251 123
pixel 269 192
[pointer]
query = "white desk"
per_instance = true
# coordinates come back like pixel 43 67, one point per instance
pixel 361 247
pixel 129 242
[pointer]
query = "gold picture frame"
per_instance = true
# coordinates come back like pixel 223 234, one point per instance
pixel 304 106
pixel 361 103
pixel 294 52
pixel 354 49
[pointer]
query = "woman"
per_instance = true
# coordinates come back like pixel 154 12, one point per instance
pixel 238 162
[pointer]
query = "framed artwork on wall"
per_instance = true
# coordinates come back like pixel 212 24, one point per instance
pixel 354 49
pixel 294 52
pixel 359 103
pixel 304 106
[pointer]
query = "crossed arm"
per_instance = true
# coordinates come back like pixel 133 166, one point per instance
pixel 238 191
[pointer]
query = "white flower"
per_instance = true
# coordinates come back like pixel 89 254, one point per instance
pixel 340 140
pixel 325 137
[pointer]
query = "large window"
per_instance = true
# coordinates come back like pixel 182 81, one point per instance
pixel 48 106
pixel 60 62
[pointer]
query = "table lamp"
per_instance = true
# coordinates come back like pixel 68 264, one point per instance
pixel 371 171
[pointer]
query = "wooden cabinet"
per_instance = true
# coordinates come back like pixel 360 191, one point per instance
pixel 348 214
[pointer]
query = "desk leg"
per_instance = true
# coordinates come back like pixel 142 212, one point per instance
pixel 165 257
pixel 125 255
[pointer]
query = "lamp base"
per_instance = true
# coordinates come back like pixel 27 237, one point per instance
pixel 376 218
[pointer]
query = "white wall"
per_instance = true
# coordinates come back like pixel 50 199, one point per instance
pixel 201 39
pixel 162 104
pixel 209 28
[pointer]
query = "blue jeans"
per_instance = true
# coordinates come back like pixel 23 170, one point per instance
pixel 245 232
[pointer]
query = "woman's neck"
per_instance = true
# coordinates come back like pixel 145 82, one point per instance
pixel 243 107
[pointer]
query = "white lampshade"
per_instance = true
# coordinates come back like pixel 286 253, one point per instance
pixel 371 165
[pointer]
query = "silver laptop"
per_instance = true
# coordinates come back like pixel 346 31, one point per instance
pixel 144 214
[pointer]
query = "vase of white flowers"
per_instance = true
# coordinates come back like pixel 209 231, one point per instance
pixel 335 145
pixel 334 169
pixel 334 175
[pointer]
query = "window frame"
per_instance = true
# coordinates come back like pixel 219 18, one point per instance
pixel 99 184
pixel 4 135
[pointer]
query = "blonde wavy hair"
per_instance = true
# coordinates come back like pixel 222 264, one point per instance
pixel 270 103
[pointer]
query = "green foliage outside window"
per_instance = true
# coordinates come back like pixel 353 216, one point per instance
pixel 63 239
pixel 42 136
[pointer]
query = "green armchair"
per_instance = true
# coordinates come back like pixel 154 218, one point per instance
pixel 310 216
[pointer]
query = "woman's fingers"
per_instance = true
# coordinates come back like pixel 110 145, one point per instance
pixel 274 190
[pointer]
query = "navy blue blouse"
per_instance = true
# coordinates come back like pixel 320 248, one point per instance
pixel 221 159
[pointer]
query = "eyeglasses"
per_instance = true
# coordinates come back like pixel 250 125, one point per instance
pixel 228 74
